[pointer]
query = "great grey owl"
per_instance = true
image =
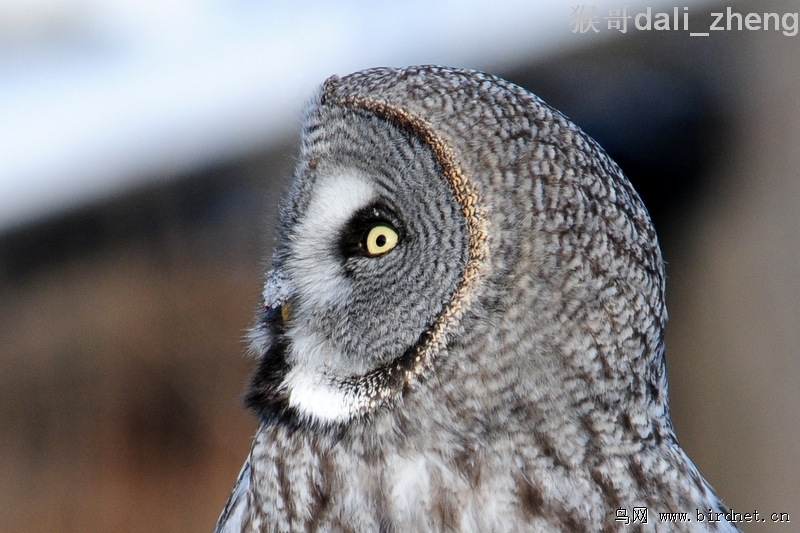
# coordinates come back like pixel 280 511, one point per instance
pixel 463 326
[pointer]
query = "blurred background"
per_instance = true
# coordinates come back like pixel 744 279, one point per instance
pixel 143 149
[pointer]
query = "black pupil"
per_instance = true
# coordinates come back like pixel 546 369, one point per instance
pixel 381 240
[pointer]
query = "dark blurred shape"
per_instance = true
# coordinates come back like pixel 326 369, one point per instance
pixel 121 330
pixel 162 426
pixel 225 197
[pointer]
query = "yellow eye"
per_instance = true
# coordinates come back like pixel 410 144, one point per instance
pixel 380 239
pixel 286 312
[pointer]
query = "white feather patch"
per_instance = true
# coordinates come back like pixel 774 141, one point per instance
pixel 313 265
pixel 318 282
pixel 314 397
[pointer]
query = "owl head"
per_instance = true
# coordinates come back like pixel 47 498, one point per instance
pixel 447 233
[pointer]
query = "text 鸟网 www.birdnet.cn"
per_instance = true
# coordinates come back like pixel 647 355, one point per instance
pixel 641 515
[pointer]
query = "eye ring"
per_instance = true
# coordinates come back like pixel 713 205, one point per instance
pixel 379 239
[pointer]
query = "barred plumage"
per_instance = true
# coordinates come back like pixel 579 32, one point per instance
pixel 501 366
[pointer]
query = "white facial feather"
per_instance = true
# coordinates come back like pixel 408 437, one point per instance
pixel 319 281
pixel 316 271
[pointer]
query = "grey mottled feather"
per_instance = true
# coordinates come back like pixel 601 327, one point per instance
pixel 501 369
